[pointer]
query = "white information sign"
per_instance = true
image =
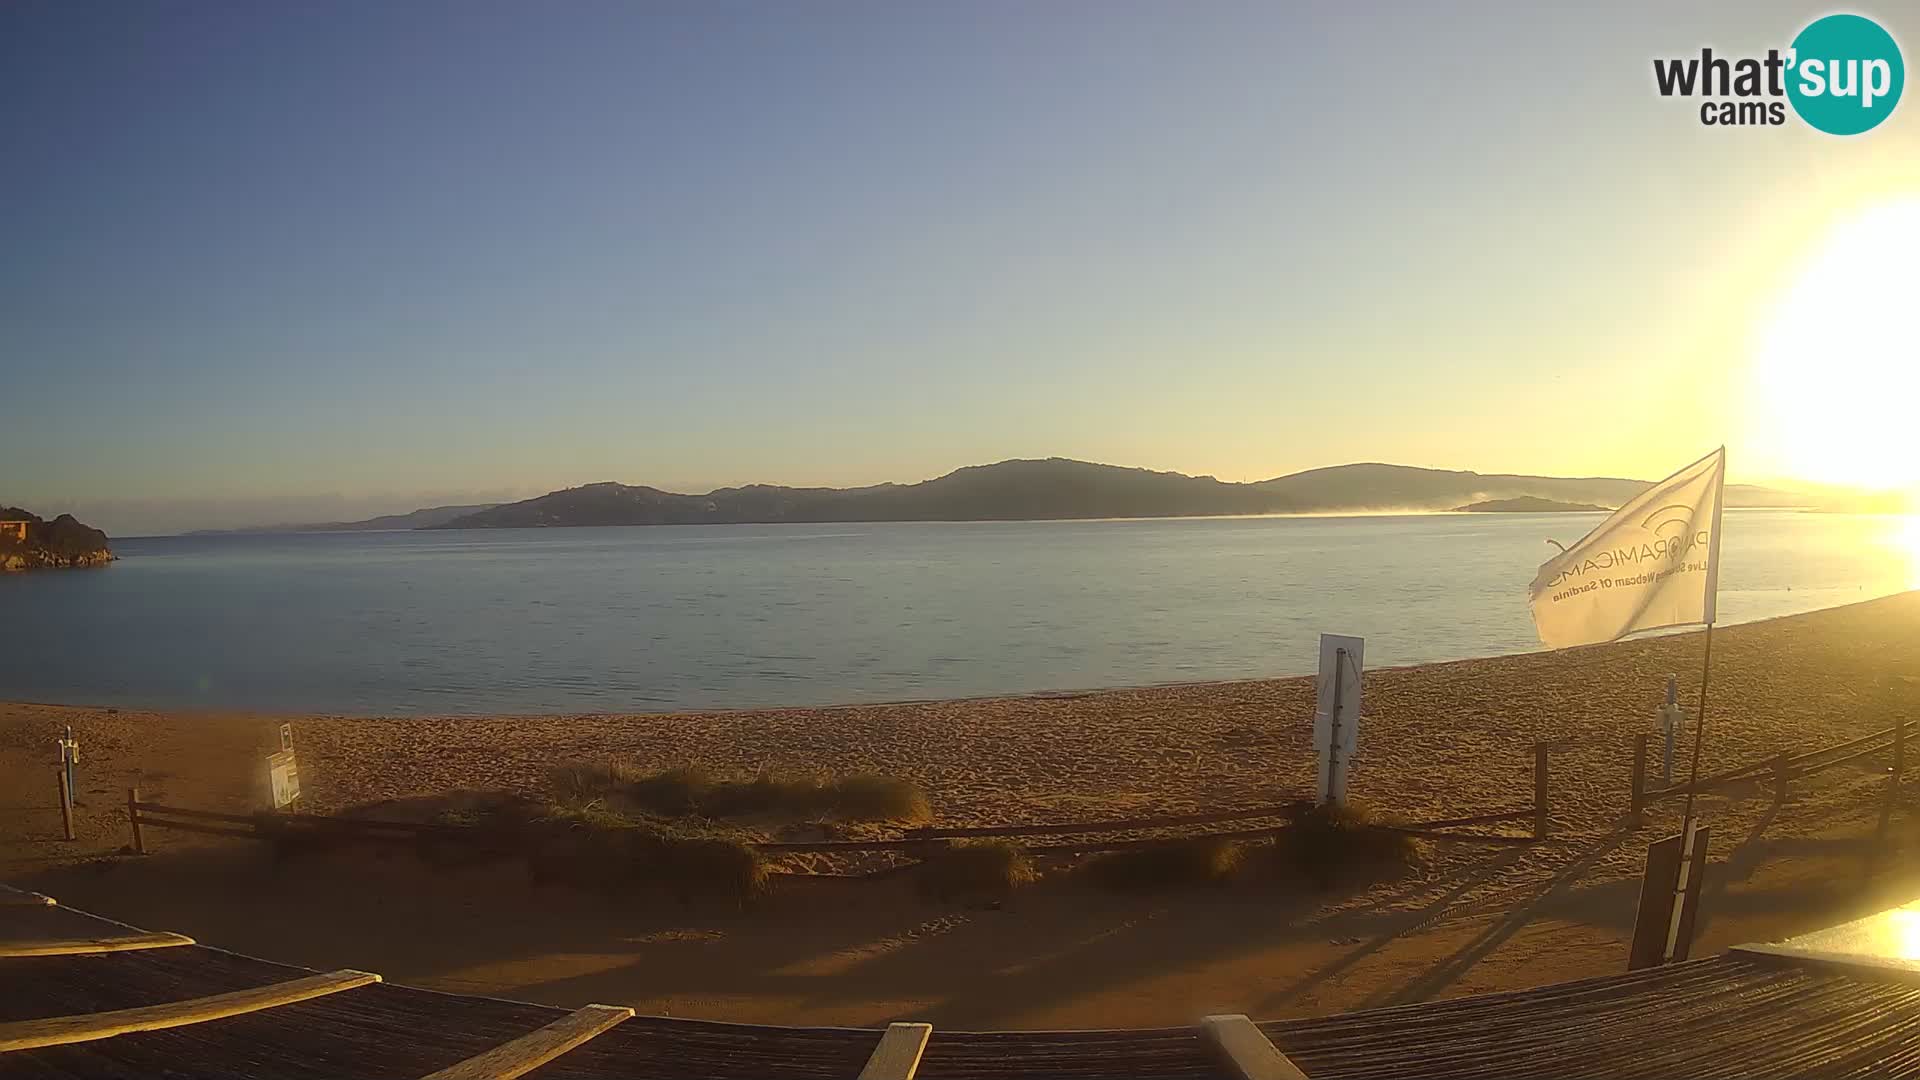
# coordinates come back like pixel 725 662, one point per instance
pixel 1336 714
pixel 283 776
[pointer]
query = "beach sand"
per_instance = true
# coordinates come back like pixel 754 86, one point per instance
pixel 1436 741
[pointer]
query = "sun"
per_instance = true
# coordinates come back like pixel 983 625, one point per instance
pixel 1837 362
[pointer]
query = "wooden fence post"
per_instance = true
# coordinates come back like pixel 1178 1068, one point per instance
pixel 1637 805
pixel 1539 790
pixel 66 802
pixel 133 818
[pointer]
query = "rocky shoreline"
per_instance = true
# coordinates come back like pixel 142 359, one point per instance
pixel 29 542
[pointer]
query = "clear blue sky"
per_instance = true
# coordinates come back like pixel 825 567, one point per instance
pixel 267 259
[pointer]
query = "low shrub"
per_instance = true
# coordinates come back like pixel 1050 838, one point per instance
pixel 676 791
pixel 584 781
pixel 691 790
pixel 872 797
pixel 974 867
pixel 1174 864
pixel 1338 844
pixel 693 865
pixel 769 792
pixel 590 845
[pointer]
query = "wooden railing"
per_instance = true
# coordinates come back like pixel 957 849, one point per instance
pixel 1094 836
pixel 274 826
pixel 1781 768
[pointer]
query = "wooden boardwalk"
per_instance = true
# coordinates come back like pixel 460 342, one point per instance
pixel 186 1010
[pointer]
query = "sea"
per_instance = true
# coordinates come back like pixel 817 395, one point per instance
pixel 655 618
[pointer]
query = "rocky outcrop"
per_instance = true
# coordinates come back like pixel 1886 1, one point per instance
pixel 60 543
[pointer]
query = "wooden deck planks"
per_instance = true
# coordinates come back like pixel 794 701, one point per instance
pixel 897 1057
pixel 530 1051
pixel 59 1030
pixel 1245 1051
pixel 79 946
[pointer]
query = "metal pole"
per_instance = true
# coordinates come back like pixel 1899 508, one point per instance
pixel 1637 801
pixel 1670 716
pixel 1539 790
pixel 66 803
pixel 133 816
pixel 1333 731
pixel 1699 730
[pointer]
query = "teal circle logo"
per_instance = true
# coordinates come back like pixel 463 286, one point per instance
pixel 1845 74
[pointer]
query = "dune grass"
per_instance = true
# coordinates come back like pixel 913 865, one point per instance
pixel 1174 864
pixel 964 868
pixel 1341 845
pixel 589 844
pixel 692 790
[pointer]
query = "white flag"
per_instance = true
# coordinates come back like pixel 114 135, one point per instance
pixel 1654 563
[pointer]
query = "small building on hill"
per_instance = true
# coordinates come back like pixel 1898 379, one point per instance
pixel 15 528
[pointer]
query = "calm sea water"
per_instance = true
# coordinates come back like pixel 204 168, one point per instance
pixel 671 617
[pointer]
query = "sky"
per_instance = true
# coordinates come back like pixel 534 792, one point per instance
pixel 294 262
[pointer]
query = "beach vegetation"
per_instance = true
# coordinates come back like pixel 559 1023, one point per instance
pixel 1203 860
pixel 592 845
pixel 691 790
pixel 580 838
pixel 965 868
pixel 1337 845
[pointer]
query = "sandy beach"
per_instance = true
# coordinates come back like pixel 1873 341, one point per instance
pixel 1437 741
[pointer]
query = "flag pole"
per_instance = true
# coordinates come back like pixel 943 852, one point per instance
pixel 1699 729
pixel 1688 826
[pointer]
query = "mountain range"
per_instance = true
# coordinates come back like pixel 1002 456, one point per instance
pixel 1059 488
pixel 425 518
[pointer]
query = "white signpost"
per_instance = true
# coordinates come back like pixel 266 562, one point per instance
pixel 283 772
pixel 1336 714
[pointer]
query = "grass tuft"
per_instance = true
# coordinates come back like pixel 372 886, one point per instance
pixel 691 790
pixel 1334 845
pixel 676 791
pixel 872 797
pixel 1174 864
pixel 974 867
pixel 591 845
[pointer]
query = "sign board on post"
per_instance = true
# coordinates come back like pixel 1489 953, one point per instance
pixel 283 776
pixel 1336 714
pixel 1659 889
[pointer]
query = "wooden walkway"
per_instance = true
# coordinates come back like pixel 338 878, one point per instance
pixel 183 1009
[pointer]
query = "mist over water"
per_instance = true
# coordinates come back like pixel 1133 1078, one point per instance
pixel 681 617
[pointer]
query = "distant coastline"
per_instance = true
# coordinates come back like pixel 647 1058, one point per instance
pixel 1528 504
pixel 1064 489
pixel 425 518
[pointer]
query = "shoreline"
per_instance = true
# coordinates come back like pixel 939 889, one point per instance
pixel 1061 694
pixel 1439 740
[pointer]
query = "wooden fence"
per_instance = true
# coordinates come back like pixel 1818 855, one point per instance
pixel 1088 836
pixel 1781 768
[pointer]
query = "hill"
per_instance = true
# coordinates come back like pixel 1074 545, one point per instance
pixel 1528 504
pixel 62 542
pixel 1058 488
pixel 425 518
